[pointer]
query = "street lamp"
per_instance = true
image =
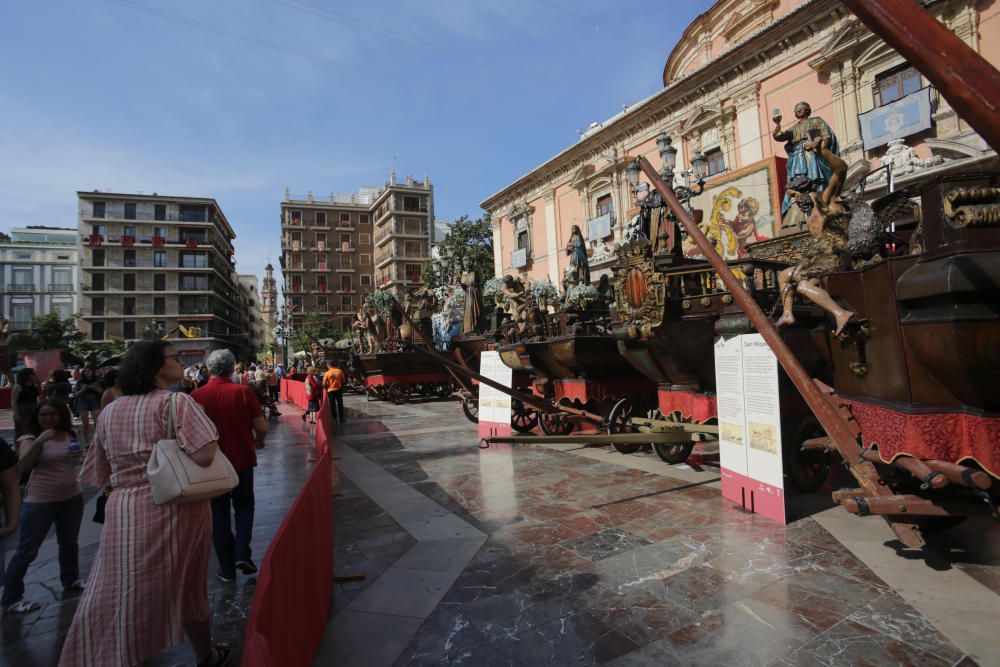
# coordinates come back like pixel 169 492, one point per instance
pixel 692 184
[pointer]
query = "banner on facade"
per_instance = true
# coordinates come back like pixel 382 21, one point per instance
pixel 906 116
pixel 599 227
pixel 746 377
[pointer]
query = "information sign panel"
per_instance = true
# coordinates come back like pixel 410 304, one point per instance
pixel 494 405
pixel 746 372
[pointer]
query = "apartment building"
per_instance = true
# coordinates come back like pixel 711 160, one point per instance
pixel 404 229
pixel 152 263
pixel 38 274
pixel 252 314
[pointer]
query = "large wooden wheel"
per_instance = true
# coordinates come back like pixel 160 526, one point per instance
pixel 555 423
pixel 470 406
pixel 398 392
pixel 620 421
pixel 807 469
pixel 672 452
pixel 522 418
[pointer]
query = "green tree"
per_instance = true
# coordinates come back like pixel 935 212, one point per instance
pixel 315 328
pixel 466 239
pixel 48 332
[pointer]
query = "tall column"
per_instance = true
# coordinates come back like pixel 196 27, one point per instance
pixel 747 101
pixel 497 246
pixel 551 242
pixel 851 146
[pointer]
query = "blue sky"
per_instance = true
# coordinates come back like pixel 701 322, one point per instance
pixel 238 99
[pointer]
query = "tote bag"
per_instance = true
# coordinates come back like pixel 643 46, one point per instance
pixel 174 477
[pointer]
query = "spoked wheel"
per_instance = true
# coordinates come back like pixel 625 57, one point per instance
pixel 398 393
pixel 620 421
pixel 806 468
pixel 555 423
pixel 444 390
pixel 522 418
pixel 470 406
pixel 673 452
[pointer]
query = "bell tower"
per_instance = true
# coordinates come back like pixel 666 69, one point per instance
pixel 269 304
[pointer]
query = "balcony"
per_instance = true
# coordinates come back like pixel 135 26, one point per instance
pixel 20 326
pixel 342 268
pixel 23 287
pixel 62 288
pixel 345 247
pixel 345 225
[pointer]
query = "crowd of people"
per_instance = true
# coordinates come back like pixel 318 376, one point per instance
pixel 147 588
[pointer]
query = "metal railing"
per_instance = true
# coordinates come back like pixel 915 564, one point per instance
pixel 22 287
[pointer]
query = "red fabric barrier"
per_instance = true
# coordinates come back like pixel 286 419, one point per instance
pixel 295 584
pixel 294 392
pixel 5 398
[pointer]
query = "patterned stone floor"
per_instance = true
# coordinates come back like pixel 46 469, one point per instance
pixel 585 558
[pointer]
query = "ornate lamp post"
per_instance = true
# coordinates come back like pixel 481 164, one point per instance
pixel 692 185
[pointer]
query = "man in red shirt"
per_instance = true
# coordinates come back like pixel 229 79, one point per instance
pixel 237 415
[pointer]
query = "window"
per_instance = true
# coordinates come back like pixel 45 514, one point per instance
pixel 897 83
pixel 128 258
pixel 98 229
pixel 297 303
pixel 604 205
pixel 128 330
pixel 62 278
pixel 522 240
pixel 22 280
pixel 22 255
pixel 345 284
pixel 62 256
pixel 128 230
pixel 97 257
pixel 160 282
pixel 194 260
pixel 194 282
pixel 366 280
pixel 321 218
pixel 160 232
pixel 364 218
pixel 366 260
pixel 322 304
pixel 199 235
pixel 193 214
pixel 159 258
pixel 128 282
pixel 160 212
pixel 97 331
pixel 194 305
pixel 412 272
pixel 129 211
pixel 159 305
pixel 346 302
pixel 97 282
pixel 716 162
pixel 345 239
pixel 321 240
pixel 344 262
pixel 97 305
pixel 365 239
pixel 296 217
pixel 128 305
pixel 411 203
pixel 100 209
pixel 62 310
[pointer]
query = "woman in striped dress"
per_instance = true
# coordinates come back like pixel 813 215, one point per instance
pixel 148 586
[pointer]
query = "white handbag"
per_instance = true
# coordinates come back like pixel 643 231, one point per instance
pixel 175 478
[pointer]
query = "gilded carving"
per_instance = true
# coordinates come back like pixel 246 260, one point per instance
pixel 640 290
pixel 971 207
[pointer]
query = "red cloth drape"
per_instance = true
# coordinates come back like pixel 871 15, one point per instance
pixel 295 585
pixel 294 392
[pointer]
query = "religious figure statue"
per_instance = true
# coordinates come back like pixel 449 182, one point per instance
pixel 424 306
pixel 828 219
pixel 605 293
pixel 804 165
pixel 360 326
pixel 376 331
pixel 576 248
pixel 471 316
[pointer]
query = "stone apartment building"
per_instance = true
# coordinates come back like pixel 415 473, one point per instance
pixel 336 251
pixel 39 274
pixel 158 263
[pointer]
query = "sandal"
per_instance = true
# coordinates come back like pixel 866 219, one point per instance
pixel 22 607
pixel 222 655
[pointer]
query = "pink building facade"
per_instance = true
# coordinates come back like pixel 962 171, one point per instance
pixel 733 67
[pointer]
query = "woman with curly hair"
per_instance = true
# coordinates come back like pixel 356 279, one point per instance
pixel 147 588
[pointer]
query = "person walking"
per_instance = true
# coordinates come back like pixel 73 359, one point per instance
pixel 272 384
pixel 24 398
pixel 236 413
pixel 58 386
pixel 314 393
pixel 147 588
pixel 111 389
pixel 10 491
pixel 334 380
pixel 88 402
pixel 50 451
